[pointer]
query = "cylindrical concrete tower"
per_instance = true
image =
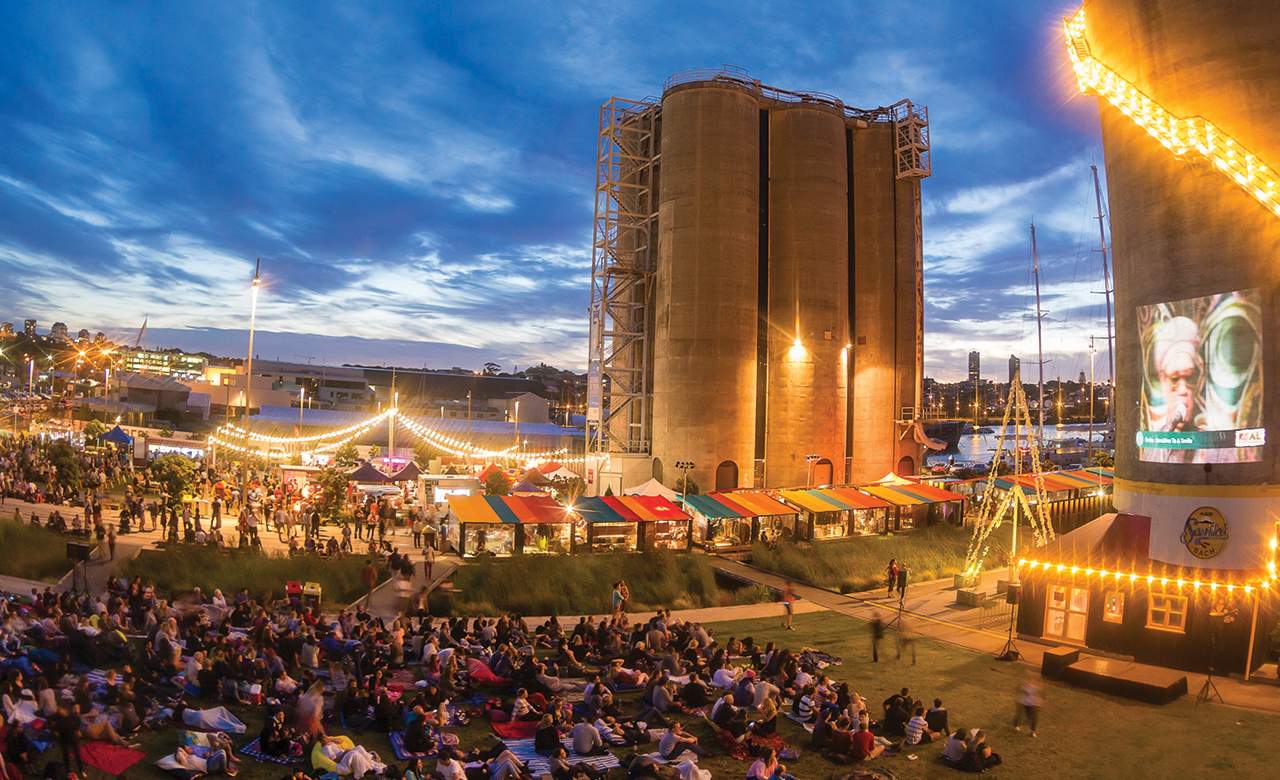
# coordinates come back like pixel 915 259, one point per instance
pixel 704 355
pixel 1197 262
pixel 808 298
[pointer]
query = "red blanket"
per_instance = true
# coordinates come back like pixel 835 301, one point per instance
pixel 516 729
pixel 112 759
pixel 481 674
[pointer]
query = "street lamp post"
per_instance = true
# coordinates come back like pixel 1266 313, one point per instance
pixel 810 459
pixel 685 467
pixel 255 285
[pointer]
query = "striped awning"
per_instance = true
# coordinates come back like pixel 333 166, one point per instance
pixel 627 509
pixel 712 509
pixel 896 495
pixel 859 499
pixel 757 503
pixel 507 509
pixel 816 500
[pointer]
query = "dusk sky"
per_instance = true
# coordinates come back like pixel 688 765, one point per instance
pixel 417 177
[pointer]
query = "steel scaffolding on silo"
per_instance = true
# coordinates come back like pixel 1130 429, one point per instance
pixel 622 268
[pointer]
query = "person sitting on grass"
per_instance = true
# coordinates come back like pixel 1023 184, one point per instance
pixel 978 755
pixel 864 745
pixel 678 741
pixel 561 769
pixel 918 731
pixel 954 750
pixel 838 743
pixel 767 724
pixel 936 717
pixel 729 717
pixel 587 740
pixel 896 714
pixel 522 709
pixel 547 738
pixel 766 767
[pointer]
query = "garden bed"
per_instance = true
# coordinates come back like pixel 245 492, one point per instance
pixel 583 584
pixel 857 564
pixel 33 553
pixel 179 568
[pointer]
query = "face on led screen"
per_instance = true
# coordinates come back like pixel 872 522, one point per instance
pixel 1202 379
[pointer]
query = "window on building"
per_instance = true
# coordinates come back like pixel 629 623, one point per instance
pixel 1113 606
pixel 1166 611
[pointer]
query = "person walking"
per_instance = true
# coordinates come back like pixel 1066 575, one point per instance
pixel 902 583
pixel 788 605
pixel 428 562
pixel 877 633
pixel 1029 702
pixel 891 576
pixel 111 542
pixel 369 575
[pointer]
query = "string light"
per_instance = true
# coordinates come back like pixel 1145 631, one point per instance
pixel 351 430
pixel 459 448
pixel 1180 135
pixel 1180 583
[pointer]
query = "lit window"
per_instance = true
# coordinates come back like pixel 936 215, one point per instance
pixel 1166 609
pixel 1113 607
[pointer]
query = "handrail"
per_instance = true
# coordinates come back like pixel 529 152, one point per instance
pixel 739 77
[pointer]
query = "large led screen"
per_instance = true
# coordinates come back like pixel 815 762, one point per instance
pixel 1202 380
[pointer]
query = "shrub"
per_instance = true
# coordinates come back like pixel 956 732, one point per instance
pixel 180 568
pixel 32 553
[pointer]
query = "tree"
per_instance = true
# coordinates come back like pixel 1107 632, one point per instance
pixel 166 432
pixel 423 453
pixel 66 463
pixel 93 429
pixel 331 482
pixel 491 369
pixel 1102 459
pixel 177 476
pixel 497 484
pixel 374 452
pixel 346 455
pixel 686 486
pixel 569 489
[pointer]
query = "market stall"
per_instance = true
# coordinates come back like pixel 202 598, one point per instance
pixel 737 519
pixel 919 505
pixel 612 523
pixel 824 516
pixel 507 525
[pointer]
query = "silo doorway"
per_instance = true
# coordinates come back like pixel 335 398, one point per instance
pixel 823 472
pixel 727 476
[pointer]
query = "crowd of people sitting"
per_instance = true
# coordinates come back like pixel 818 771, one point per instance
pixel 558 698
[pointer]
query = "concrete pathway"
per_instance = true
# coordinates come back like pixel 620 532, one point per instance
pixel 929 611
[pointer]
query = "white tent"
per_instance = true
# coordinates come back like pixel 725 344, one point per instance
pixel 651 488
pixel 892 479
pixel 562 473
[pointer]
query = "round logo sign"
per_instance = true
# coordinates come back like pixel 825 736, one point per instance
pixel 1205 532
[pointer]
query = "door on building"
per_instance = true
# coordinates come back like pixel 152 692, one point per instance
pixel 1066 613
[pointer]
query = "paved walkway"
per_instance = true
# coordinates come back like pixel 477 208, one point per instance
pixel 929 611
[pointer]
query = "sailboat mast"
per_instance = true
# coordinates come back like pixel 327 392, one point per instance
pixel 1106 291
pixel 1035 270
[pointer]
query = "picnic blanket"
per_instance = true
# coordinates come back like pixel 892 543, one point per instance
pixel 115 760
pixel 214 719
pixel 791 716
pixel 515 729
pixel 538 764
pixel 480 674
pixel 254 750
pixel 404 754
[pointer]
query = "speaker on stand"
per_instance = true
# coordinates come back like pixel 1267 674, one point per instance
pixel 78 553
pixel 1011 597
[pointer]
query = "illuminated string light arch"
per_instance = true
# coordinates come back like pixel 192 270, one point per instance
pixel 1180 135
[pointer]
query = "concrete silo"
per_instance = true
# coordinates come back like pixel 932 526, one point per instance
pixel 785 329
pixel 808 299
pixel 704 343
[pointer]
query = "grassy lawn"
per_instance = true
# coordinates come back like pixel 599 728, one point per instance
pixel 582 584
pixel 32 553
pixel 858 564
pixel 1083 734
pixel 178 569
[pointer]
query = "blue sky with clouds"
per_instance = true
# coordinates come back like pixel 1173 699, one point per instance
pixel 417 177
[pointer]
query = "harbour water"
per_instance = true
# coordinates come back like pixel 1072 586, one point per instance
pixel 978 447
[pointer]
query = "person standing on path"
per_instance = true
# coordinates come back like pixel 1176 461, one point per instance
pixel 369 575
pixel 428 562
pixel 877 633
pixel 891 575
pixel 111 542
pixel 788 605
pixel 1029 701
pixel 902 583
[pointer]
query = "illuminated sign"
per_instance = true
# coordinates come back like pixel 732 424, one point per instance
pixel 1201 398
pixel 1204 533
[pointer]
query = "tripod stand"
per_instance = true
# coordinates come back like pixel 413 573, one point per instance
pixel 1010 650
pixel 897 619
pixel 1209 691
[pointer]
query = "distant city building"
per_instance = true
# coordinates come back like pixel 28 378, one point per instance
pixel 1014 365
pixel 59 332
pixel 6 329
pixel 99 338
pixel 975 368
pixel 1082 380
pixel 83 335
pixel 29 328
pixel 165 363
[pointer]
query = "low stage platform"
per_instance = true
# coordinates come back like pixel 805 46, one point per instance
pixel 1152 684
